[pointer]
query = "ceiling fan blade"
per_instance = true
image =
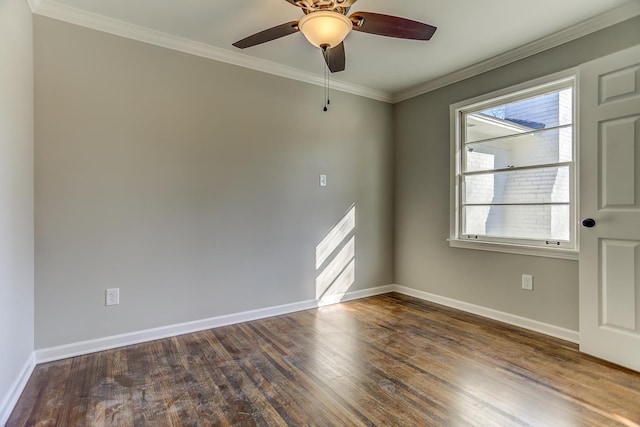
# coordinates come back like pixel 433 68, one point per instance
pixel 391 26
pixel 335 58
pixel 268 35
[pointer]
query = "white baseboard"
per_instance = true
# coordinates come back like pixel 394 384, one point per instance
pixel 350 296
pixel 512 319
pixel 106 343
pixel 91 346
pixel 9 401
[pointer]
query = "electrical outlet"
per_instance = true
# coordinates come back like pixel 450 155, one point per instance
pixel 323 180
pixel 113 296
pixel 527 282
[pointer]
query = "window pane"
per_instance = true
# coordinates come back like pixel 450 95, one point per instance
pixel 548 146
pixel 539 112
pixel 543 222
pixel 515 155
pixel 544 185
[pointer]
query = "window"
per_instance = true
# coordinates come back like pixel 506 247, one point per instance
pixel 514 180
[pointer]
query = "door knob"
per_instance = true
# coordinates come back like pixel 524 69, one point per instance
pixel 588 222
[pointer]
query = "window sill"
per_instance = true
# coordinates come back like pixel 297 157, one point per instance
pixel 569 254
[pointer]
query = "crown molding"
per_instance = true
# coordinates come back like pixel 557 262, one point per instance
pixel 33 4
pixel 607 19
pixel 56 10
pixel 61 12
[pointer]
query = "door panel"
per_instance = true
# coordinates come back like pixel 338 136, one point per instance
pixel 619 283
pixel 610 194
pixel 619 147
pixel 619 84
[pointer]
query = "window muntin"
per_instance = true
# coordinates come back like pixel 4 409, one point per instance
pixel 517 221
pixel 515 174
pixel 488 153
pixel 520 116
pixel 492 188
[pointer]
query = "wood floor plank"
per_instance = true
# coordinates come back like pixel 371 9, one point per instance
pixel 524 361
pixel 351 369
pixel 384 360
pixel 436 391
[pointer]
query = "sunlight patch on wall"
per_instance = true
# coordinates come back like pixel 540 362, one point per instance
pixel 335 260
pixel 335 236
pixel 330 273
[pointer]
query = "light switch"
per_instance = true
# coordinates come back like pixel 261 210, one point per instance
pixel 323 180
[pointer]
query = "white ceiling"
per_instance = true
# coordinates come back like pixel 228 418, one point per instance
pixel 468 32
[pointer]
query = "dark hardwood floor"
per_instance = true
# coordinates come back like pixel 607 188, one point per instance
pixel 386 360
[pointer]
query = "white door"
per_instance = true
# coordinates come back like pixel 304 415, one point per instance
pixel 610 196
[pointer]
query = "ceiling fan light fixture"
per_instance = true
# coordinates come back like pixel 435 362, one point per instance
pixel 325 28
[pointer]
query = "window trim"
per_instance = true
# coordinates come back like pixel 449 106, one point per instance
pixel 513 93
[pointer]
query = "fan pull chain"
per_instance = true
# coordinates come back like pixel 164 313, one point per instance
pixel 326 78
pixel 325 89
pixel 328 85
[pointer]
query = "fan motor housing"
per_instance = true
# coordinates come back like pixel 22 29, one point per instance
pixel 310 6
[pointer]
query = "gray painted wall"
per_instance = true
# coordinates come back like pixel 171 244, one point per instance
pixel 424 260
pixel 191 185
pixel 16 192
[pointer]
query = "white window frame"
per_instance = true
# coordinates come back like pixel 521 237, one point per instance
pixel 510 94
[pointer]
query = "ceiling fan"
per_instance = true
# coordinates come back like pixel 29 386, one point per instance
pixel 325 24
